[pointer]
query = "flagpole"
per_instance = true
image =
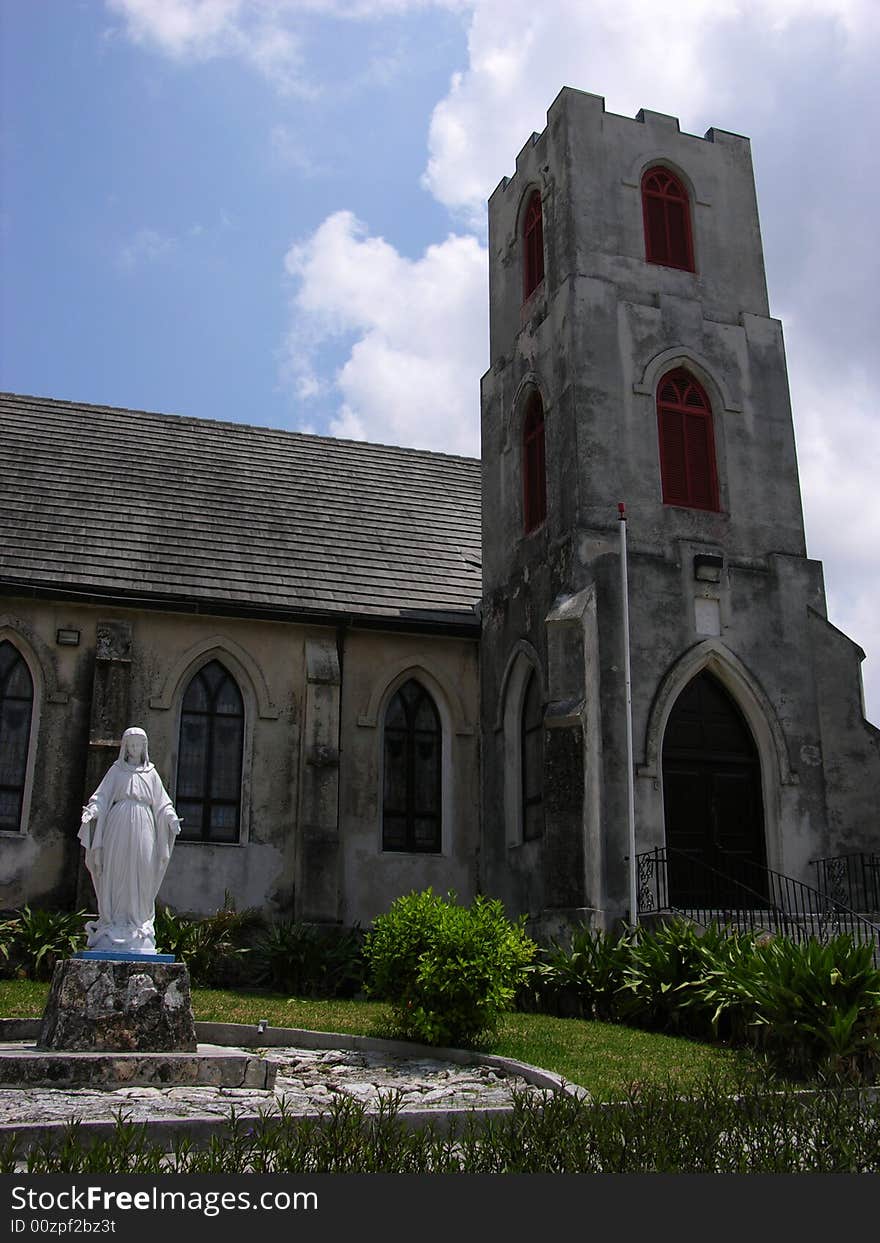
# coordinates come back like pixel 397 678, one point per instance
pixel 630 767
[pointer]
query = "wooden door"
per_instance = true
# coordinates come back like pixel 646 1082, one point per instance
pixel 712 801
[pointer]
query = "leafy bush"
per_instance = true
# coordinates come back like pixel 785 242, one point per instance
pixel 33 941
pixel 213 947
pixel 447 970
pixel 306 960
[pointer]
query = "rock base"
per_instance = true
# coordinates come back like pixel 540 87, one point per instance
pixel 118 1007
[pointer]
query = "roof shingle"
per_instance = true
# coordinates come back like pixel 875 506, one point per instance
pixel 126 503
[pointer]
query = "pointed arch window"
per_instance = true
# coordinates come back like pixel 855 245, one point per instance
pixel 534 467
pixel 16 710
pixel 532 760
pixel 210 757
pixel 667 215
pixel 687 442
pixel 412 777
pixel 533 245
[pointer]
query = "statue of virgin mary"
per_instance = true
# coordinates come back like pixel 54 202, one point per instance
pixel 128 829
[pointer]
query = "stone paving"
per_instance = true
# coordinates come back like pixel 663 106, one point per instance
pixel 307 1082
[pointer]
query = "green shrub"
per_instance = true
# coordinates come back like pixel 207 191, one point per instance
pixel 306 960
pixel 447 970
pixel 35 940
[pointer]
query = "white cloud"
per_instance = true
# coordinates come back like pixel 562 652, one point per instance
pixel 412 375
pixel 257 32
pixel 521 54
pixel 145 247
pixel 796 75
pixel 839 459
pixel 266 35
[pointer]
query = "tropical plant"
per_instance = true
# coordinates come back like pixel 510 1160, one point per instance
pixel 307 960
pixel 816 1005
pixel 35 940
pixel 583 978
pixel 212 947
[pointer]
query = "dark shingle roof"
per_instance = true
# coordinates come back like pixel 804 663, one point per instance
pixel 124 503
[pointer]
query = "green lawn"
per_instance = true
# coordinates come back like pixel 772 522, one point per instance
pixel 603 1057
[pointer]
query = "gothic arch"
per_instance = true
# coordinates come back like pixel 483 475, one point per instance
pixel 529 384
pixel 449 710
pixel 720 395
pixel 239 662
pixel 443 690
pixel 255 696
pixel 533 187
pixel 642 163
pixel 39 657
pixel 522 664
pixel 39 682
pixel 714 657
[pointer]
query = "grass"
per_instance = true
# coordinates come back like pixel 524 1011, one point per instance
pixel 606 1058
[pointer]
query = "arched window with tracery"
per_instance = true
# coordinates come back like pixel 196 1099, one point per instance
pixel 534 466
pixel 532 759
pixel 412 776
pixel 667 213
pixel 687 442
pixel 210 757
pixel 533 245
pixel 16 710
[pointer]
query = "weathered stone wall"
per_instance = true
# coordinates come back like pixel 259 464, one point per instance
pixel 594 339
pixel 310 836
pixel 374 667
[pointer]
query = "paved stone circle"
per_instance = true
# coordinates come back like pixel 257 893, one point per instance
pixel 308 1081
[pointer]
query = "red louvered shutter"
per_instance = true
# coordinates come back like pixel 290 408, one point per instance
pixel 533 466
pixel 533 246
pixel 696 438
pixel 687 447
pixel 667 218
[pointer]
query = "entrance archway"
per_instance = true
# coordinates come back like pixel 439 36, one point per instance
pixel 712 800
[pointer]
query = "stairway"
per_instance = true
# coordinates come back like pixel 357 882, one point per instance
pixel 754 899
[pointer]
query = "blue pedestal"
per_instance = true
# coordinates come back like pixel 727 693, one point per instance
pixel 122 956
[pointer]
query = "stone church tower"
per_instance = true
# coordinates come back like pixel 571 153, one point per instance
pixel 633 358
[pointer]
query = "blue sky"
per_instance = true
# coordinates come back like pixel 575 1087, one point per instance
pixel 274 210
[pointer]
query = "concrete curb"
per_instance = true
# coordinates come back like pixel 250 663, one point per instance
pixel 246 1036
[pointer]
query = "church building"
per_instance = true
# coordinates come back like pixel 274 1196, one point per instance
pixel 353 687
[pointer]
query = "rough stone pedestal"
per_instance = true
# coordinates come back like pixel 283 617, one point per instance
pixel 118 1007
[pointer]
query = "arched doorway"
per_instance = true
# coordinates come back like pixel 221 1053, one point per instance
pixel 712 800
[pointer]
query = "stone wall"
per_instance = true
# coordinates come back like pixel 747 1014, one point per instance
pixel 310 841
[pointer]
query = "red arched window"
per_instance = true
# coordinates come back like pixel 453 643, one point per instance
pixel 533 246
pixel 667 212
pixel 534 475
pixel 687 442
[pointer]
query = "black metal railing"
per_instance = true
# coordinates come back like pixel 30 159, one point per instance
pixel 744 895
pixel 852 879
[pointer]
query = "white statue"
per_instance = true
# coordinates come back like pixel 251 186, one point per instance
pixel 128 829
